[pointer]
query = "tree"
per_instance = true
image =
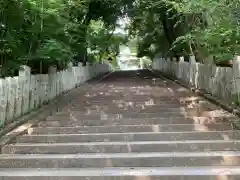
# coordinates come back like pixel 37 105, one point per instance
pixel 179 27
pixel 42 33
pixel 107 11
pixel 28 26
pixel 103 42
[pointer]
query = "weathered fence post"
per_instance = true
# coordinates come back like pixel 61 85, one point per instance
pixel 236 78
pixel 18 96
pixel 80 67
pixel 70 76
pixel 32 92
pixel 181 59
pixel 12 94
pixel 192 59
pixel 38 90
pixel 77 75
pixel 3 102
pixel 180 67
pixel 192 71
pixel 58 84
pixel 44 89
pixel 88 71
pixel 52 82
pixel 25 75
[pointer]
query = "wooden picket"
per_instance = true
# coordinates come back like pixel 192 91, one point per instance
pixel 11 89
pixel 3 100
pixel 19 95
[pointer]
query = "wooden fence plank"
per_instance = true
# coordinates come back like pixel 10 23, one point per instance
pixel 19 96
pixel 3 101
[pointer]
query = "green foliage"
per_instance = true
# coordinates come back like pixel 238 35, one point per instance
pixel 103 42
pixel 53 53
pixel 180 27
pixel 147 26
pixel 146 62
pixel 42 33
pixel 28 28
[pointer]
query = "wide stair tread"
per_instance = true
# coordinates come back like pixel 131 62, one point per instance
pixel 135 121
pixel 173 128
pixel 163 173
pixel 167 159
pixel 122 147
pixel 69 136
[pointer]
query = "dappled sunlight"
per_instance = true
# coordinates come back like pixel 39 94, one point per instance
pixel 170 90
pixel 200 127
pixel 226 136
pixel 230 160
pixel 20 129
pixel 30 131
pixel 222 177
pixel 183 112
pixel 202 112
pixel 202 120
pixel 142 178
pixel 119 98
pixel 148 98
pixel 190 100
pixel 73 118
pixel 150 102
pixel 182 90
pixel 159 92
pixel 156 128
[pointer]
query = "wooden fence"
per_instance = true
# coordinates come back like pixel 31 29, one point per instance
pixel 19 95
pixel 221 82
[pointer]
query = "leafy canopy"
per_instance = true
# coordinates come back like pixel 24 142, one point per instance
pixel 180 27
pixel 42 33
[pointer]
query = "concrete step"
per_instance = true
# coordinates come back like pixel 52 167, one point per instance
pixel 133 173
pixel 72 122
pixel 119 99
pixel 140 136
pixel 120 104
pixel 117 116
pixel 115 100
pixel 125 103
pixel 122 147
pixel 121 160
pixel 127 110
pixel 129 128
pixel 130 111
pixel 128 96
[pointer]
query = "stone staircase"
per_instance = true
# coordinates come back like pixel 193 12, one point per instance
pixel 130 126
